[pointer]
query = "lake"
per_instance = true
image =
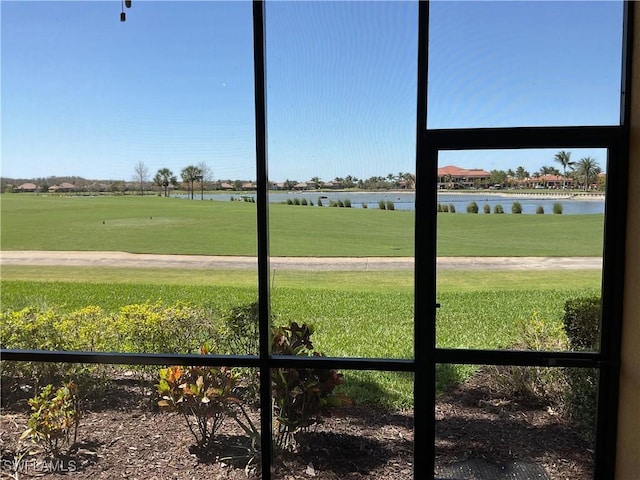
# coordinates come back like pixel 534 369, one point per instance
pixel 571 205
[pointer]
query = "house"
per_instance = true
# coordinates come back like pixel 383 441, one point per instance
pixel 456 177
pixel 63 188
pixel 27 187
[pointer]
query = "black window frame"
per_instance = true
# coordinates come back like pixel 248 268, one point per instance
pixel 426 354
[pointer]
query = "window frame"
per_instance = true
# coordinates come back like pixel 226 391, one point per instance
pixel 426 355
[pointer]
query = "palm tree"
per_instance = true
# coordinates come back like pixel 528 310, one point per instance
pixel 587 168
pixel 164 178
pixel 564 159
pixel 190 175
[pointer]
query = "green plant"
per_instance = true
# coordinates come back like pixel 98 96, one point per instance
pixel 54 418
pixel 486 208
pixel 472 207
pixel 498 209
pixel 296 201
pixel 301 396
pixel 319 201
pixel 347 203
pixel 340 203
pixel 382 205
pixel 540 385
pixel 516 207
pixel 452 208
pixel 303 202
pixel 201 394
pixel 582 326
pixel 540 210
pixel 557 208
pixel 365 205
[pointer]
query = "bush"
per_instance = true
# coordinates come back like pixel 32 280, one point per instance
pixel 289 201
pixel 582 326
pixel 487 208
pixel 303 201
pixel 390 205
pixel 445 208
pixel 452 208
pixel 201 394
pixel 381 205
pixel 54 418
pixel 539 385
pixel 516 207
pixel 540 210
pixel 319 201
pixel 472 207
pixel 557 208
pixel 296 201
pixel 340 203
pixel 582 323
pixel 498 209
pixel 301 396
pixel 365 205
pixel 347 203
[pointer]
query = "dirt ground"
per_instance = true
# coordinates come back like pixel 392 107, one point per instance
pixel 122 435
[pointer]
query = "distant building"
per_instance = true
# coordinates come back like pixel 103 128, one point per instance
pixel 452 177
pixel 27 187
pixel 63 188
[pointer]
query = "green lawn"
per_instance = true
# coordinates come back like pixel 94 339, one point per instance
pixel 171 225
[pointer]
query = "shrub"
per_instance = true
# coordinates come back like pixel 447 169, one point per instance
pixel 365 205
pixel 301 396
pixel 486 208
pixel 54 418
pixel 472 207
pixel 516 207
pixel 347 203
pixel 540 210
pixel 332 203
pixel 303 201
pixel 296 201
pixel 498 209
pixel 340 203
pixel 439 207
pixel 289 201
pixel 452 208
pixel 319 201
pixel 178 328
pixel 201 394
pixel 445 208
pixel 381 205
pixel 557 208
pixel 539 385
pixel 390 205
pixel 582 326
pixel 582 322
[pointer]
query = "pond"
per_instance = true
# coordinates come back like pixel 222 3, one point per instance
pixel 571 204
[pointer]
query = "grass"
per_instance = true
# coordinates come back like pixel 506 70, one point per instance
pixel 171 225
pixel 356 314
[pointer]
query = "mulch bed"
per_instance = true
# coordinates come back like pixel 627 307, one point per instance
pixel 122 435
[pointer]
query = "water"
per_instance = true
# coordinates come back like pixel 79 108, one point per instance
pixel 576 205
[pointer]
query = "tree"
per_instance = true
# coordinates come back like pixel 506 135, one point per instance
pixel 586 169
pixel 190 175
pixel 164 178
pixel 205 175
pixel 141 174
pixel 564 159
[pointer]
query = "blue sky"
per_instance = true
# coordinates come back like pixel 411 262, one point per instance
pixel 85 94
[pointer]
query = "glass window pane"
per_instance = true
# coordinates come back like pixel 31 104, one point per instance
pixel 341 127
pixel 520 241
pixel 515 422
pixel 125 143
pixel 511 64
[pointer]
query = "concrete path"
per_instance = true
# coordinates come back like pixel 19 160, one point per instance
pixel 124 259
